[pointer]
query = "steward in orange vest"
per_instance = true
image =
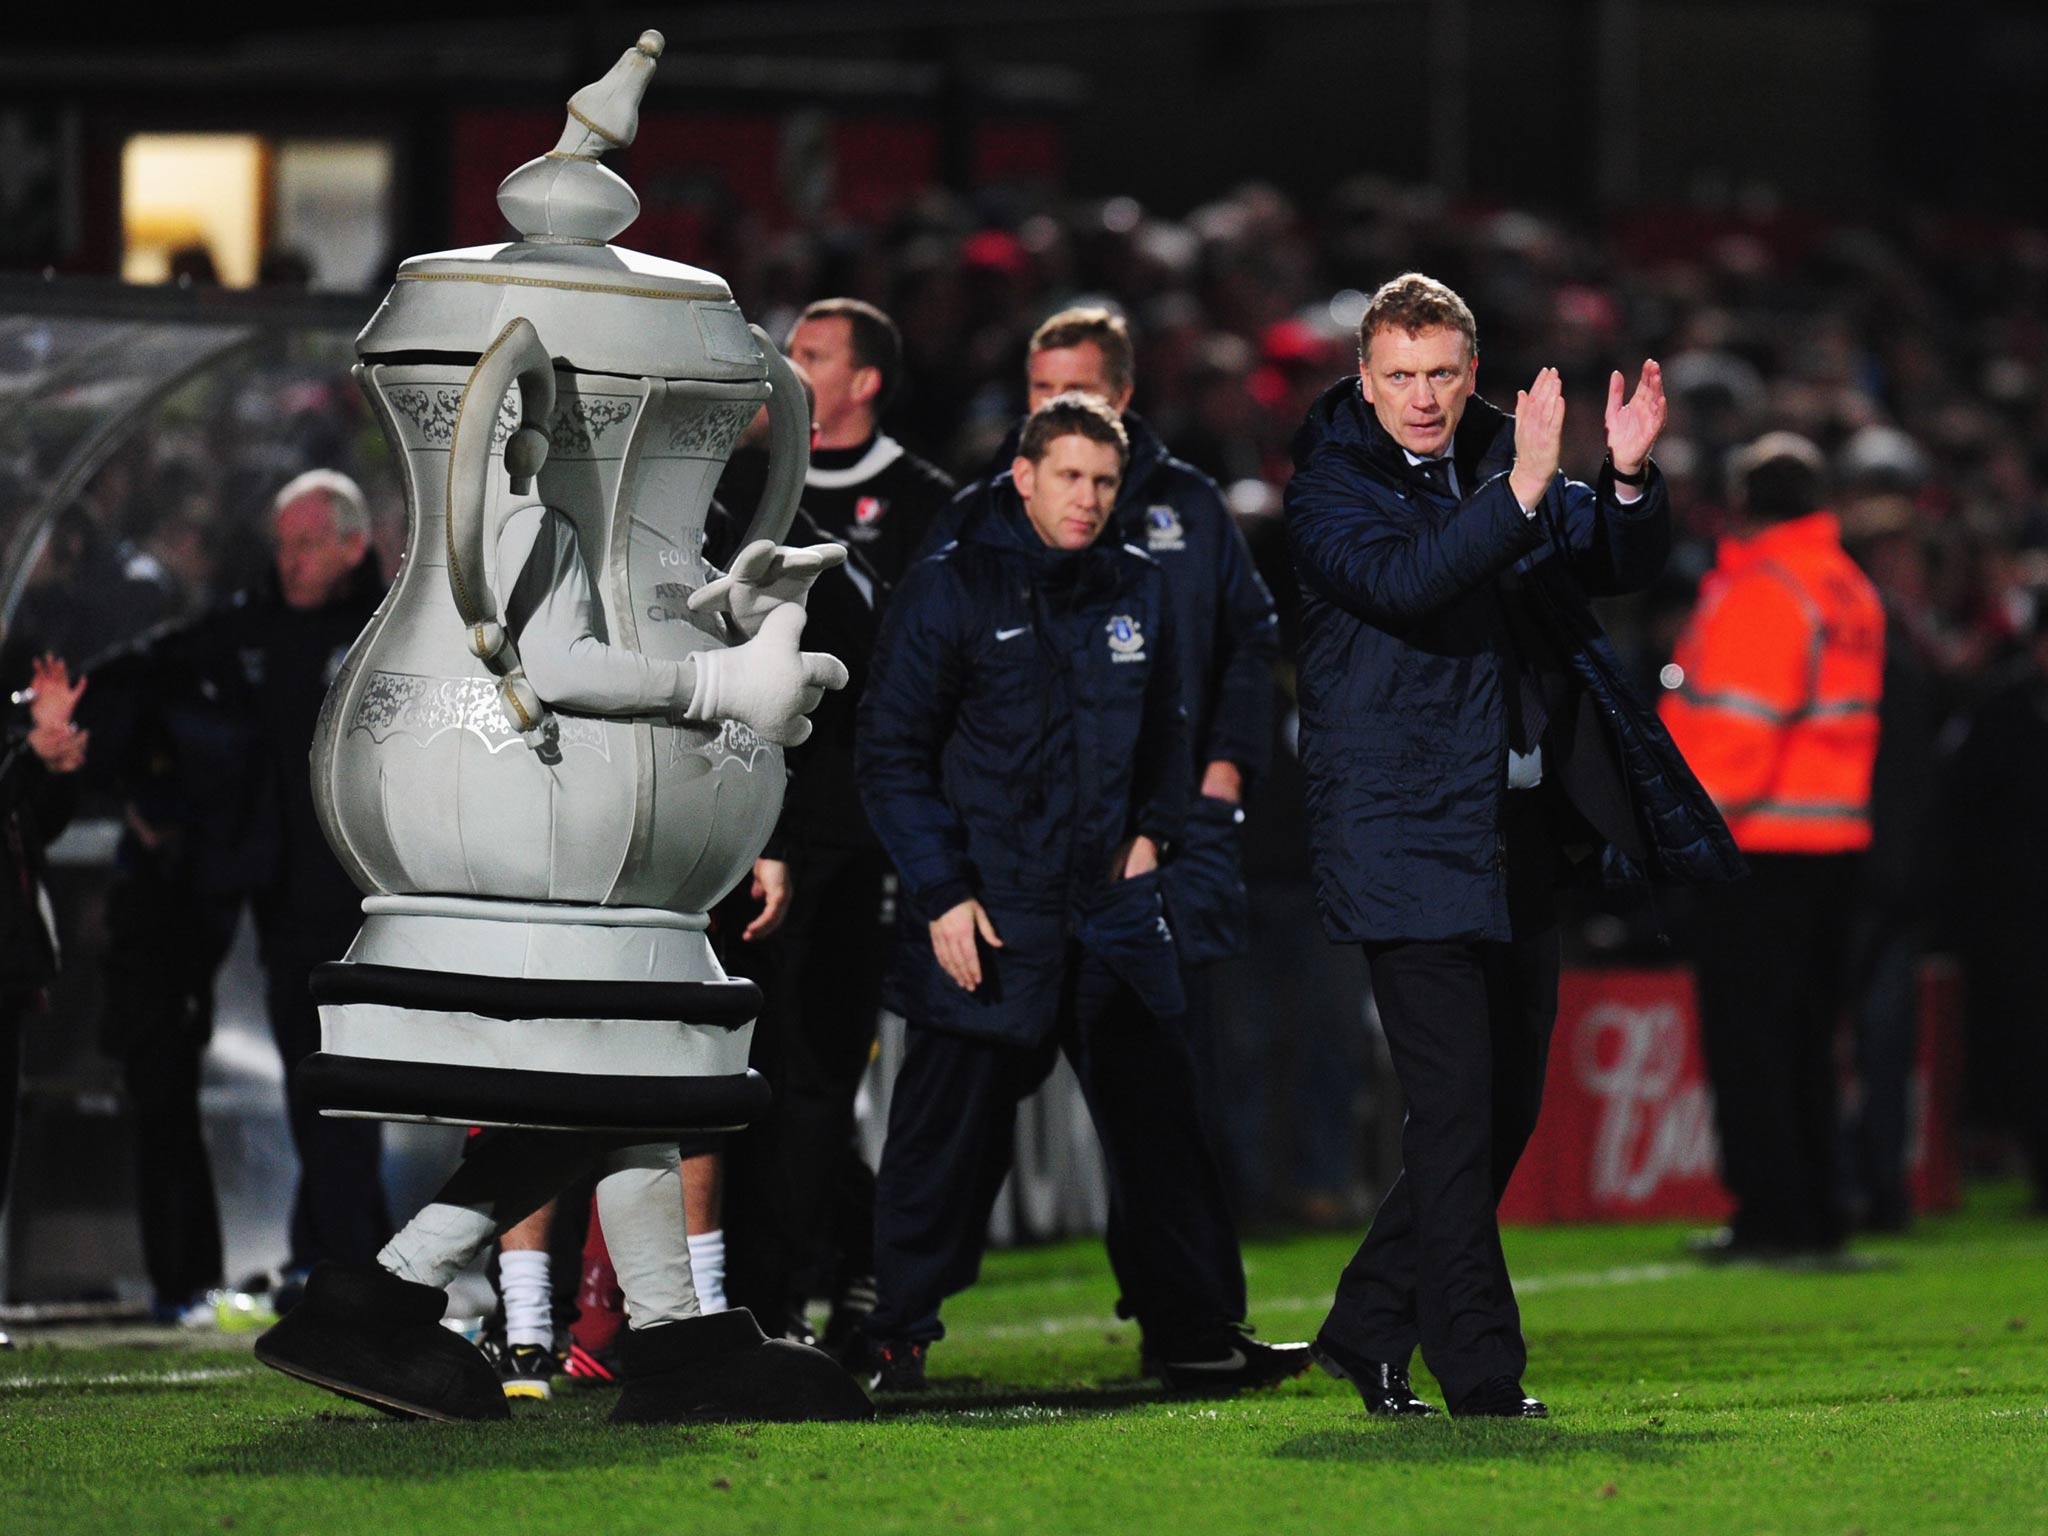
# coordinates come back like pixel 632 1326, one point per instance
pixel 1776 685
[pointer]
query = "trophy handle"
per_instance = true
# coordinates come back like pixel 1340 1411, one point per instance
pixel 517 356
pixel 789 447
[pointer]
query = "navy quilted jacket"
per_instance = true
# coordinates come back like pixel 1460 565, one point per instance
pixel 1022 721
pixel 1403 721
pixel 1227 639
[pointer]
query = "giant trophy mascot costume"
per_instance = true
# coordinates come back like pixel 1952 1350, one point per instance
pixel 556 745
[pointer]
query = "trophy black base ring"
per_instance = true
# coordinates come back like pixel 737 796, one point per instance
pixel 461 1011
pixel 365 1088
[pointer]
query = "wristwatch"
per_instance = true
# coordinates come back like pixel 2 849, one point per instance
pixel 1640 478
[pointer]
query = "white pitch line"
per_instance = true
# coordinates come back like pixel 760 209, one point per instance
pixel 126 1379
pixel 1600 1279
pixel 1568 1280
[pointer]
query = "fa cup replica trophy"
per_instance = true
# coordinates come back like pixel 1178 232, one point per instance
pixel 556 745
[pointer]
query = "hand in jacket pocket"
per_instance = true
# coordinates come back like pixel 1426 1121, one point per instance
pixel 1140 856
pixel 953 941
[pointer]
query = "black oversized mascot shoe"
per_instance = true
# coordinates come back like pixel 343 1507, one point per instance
pixel 722 1369
pixel 363 1332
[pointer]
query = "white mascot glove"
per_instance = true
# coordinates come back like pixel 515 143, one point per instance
pixel 767 684
pixel 765 576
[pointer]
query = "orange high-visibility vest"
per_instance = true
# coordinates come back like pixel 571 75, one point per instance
pixel 1772 693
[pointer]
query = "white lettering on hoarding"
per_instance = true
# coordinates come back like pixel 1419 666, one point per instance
pixel 1650 1127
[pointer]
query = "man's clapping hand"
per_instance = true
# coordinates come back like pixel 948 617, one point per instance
pixel 1539 437
pixel 1632 429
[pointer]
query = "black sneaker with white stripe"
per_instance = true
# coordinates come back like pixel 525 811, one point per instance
pixel 525 1371
pixel 1229 1360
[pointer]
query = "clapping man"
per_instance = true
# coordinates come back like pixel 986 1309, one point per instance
pixel 1469 739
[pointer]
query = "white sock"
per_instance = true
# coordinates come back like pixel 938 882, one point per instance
pixel 707 1268
pixel 527 1296
pixel 437 1244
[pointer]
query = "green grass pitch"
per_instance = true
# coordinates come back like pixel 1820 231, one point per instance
pixel 1907 1397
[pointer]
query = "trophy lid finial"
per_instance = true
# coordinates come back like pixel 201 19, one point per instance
pixel 565 196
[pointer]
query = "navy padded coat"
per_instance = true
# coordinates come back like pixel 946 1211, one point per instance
pixel 1404 737
pixel 1022 722
pixel 1227 639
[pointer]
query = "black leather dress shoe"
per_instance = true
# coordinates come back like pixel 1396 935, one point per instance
pixel 1499 1398
pixel 1384 1387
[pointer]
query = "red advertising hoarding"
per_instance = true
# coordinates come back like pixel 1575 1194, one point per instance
pixel 1627 1132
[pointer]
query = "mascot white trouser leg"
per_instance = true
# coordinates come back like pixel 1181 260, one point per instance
pixel 639 1196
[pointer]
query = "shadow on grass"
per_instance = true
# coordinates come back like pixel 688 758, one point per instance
pixel 367 1445
pixel 1435 1440
pixel 574 1436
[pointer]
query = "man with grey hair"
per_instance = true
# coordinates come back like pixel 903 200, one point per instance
pixel 328 584
pixel 228 813
pixel 321 528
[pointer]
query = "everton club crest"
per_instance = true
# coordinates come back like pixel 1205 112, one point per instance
pixel 1126 639
pixel 1163 529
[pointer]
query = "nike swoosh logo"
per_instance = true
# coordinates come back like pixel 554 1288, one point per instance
pixel 1235 1361
pixel 1011 634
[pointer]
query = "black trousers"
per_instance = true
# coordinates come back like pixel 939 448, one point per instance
pixel 1468 1025
pixel 174 1196
pixel 167 943
pixel 1885 1018
pixel 787 1174
pixel 13 1007
pixel 2005 985
pixel 339 1212
pixel 1771 959
pixel 952 1124
pixel 1197 1031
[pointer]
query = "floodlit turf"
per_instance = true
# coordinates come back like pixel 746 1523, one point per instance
pixel 1911 1397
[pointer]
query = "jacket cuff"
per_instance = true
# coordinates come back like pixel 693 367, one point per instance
pixel 1163 828
pixel 1652 488
pixel 937 900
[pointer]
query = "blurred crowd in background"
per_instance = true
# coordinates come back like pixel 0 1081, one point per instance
pixel 1913 355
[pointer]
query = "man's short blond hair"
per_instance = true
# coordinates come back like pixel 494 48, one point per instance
pixel 1414 302
pixel 344 497
pixel 1104 327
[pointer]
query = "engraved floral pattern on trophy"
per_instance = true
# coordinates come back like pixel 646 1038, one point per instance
pixel 577 428
pixel 422 708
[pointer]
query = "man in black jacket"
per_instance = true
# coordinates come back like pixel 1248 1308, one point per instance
pixel 1021 758
pixel 224 812
pixel 810 934
pixel 1467 737
pixel 796 1182
pixel 863 487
